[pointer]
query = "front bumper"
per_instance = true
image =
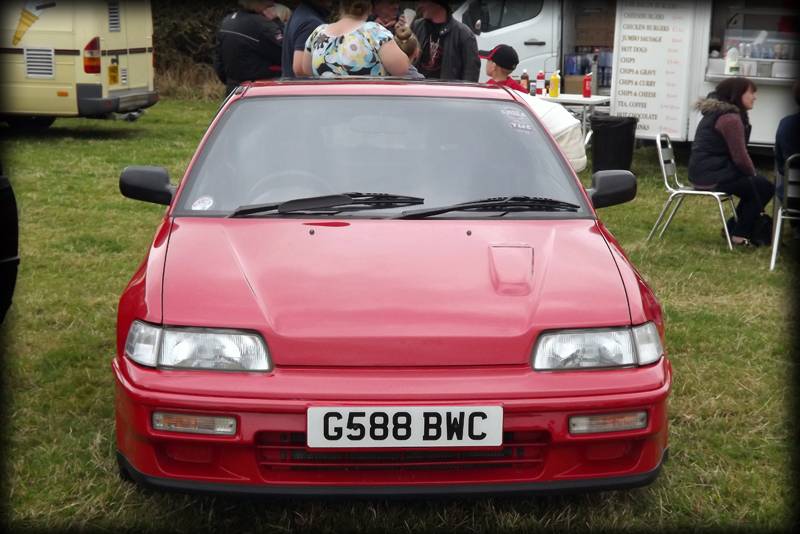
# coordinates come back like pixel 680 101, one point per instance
pixel 539 488
pixel 268 454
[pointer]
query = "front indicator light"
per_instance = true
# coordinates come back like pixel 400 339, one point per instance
pixel 608 422
pixel 194 424
pixel 648 344
pixel 143 343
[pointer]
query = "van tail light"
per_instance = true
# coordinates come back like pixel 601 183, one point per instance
pixel 91 57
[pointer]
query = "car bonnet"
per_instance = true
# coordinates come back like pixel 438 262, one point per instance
pixel 389 292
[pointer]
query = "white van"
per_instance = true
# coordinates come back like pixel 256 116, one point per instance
pixel 531 27
pixel 75 58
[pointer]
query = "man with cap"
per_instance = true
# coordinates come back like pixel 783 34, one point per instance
pixel 500 63
pixel 449 48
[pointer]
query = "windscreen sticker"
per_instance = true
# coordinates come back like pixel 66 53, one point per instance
pixel 512 112
pixel 517 119
pixel 203 203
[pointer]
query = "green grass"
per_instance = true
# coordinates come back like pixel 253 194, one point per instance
pixel 728 334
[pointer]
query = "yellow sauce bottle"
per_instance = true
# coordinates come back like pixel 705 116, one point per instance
pixel 555 84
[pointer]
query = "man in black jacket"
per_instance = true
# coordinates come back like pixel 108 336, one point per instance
pixel 449 48
pixel 249 44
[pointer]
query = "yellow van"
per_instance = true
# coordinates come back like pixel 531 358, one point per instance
pixel 74 58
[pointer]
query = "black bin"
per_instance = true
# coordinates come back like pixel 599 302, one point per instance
pixel 613 139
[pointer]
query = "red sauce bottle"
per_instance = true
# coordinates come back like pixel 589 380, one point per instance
pixel 587 85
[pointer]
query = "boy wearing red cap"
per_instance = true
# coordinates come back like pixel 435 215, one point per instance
pixel 500 63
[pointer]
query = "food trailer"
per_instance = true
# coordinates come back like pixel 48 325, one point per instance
pixel 667 55
pixel 654 58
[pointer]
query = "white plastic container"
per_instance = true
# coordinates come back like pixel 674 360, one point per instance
pixel 785 69
pixel 732 61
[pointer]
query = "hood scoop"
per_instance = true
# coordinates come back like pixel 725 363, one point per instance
pixel 511 269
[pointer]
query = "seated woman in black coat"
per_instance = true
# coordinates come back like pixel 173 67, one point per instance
pixel 719 160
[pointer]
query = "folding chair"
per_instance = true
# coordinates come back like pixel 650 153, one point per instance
pixel 789 208
pixel 678 191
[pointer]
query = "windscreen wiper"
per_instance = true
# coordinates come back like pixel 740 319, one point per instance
pixel 331 204
pixel 501 204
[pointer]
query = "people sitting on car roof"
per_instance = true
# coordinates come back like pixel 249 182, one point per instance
pixel 449 48
pixel 408 43
pixel 387 14
pixel 305 18
pixel 282 12
pixel 249 44
pixel 352 46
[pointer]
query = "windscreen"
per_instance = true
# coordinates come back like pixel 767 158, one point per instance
pixel 444 150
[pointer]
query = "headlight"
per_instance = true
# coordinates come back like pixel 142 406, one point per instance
pixel 578 349
pixel 196 348
pixel 213 349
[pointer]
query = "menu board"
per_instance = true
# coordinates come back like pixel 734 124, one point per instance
pixel 652 47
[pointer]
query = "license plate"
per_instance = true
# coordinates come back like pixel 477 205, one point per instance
pixel 113 74
pixel 404 426
pixel 133 101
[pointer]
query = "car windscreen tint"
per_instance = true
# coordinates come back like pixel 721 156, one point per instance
pixel 446 151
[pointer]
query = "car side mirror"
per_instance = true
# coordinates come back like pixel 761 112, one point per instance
pixel 610 188
pixel 150 184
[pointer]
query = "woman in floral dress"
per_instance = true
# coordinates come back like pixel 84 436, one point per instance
pixel 353 47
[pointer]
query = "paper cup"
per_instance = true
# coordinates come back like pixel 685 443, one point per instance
pixel 409 15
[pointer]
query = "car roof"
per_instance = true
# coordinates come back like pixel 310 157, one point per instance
pixel 373 86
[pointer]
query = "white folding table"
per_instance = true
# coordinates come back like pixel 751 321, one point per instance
pixel 579 100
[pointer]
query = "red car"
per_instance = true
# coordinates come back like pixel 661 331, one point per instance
pixel 386 287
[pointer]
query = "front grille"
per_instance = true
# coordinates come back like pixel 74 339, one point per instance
pixel 284 457
pixel 39 63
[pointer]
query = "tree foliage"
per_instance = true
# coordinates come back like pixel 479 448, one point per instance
pixel 185 29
